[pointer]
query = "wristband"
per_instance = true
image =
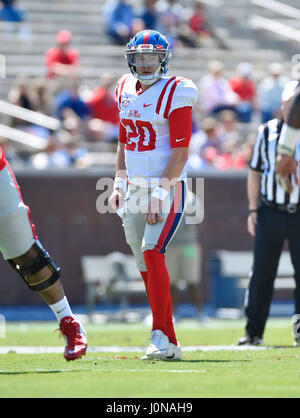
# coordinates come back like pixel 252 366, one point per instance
pixel 287 141
pixel 160 193
pixel 284 150
pixel 252 210
pixel 120 183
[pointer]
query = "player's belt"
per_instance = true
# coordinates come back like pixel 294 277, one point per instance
pixel 289 207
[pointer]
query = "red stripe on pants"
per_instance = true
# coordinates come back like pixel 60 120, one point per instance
pixel 171 217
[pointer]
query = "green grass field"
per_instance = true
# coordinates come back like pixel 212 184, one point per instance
pixel 273 372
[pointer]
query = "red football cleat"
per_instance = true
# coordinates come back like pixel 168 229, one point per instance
pixel 75 337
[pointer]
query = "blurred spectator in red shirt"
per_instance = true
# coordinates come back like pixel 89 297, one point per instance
pixel 62 60
pixel 104 126
pixel 200 28
pixel 198 22
pixel 243 85
pixel 102 103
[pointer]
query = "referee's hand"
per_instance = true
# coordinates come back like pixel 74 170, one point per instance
pixel 251 223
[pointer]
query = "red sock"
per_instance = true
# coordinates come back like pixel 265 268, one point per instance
pixel 170 326
pixel 159 293
pixel 144 275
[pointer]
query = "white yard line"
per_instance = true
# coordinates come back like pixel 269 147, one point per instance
pixel 162 371
pixel 121 349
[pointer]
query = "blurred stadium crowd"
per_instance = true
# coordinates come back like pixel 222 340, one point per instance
pixel 228 112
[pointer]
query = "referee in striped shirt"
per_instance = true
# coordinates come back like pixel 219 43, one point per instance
pixel 274 217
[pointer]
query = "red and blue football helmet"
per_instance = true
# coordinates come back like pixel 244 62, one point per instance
pixel 148 48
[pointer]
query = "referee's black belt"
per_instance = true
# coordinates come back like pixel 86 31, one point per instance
pixel 289 207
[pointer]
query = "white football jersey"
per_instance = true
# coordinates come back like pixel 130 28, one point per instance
pixel 145 118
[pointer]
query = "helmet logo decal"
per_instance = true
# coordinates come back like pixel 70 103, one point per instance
pixel 146 46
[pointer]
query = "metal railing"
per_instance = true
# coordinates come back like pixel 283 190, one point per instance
pixel 278 28
pixel 36 118
pixel 278 7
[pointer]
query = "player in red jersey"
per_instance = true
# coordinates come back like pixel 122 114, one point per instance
pixel 21 248
pixel 155 131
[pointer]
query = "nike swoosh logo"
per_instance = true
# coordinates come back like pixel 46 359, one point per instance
pixel 146 105
pixel 75 351
pixel 172 356
pixel 181 139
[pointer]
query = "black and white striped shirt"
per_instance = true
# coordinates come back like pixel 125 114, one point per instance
pixel 264 160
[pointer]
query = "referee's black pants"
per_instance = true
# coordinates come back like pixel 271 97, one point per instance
pixel 273 228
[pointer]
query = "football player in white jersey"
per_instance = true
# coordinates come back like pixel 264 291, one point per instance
pixel 150 189
pixel 21 248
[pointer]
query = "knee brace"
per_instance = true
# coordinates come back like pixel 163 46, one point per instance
pixel 37 264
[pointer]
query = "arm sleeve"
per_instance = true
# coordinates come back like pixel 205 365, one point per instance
pixel 180 127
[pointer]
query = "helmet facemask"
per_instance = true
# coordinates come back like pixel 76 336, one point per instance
pixel 150 58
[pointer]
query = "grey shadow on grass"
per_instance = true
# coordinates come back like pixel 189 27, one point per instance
pixel 8 373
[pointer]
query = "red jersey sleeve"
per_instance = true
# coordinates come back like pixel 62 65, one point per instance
pixel 2 160
pixel 180 127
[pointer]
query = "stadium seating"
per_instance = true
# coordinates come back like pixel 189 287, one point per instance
pixel 106 276
pixel 24 45
pixel 276 24
pixel 230 272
